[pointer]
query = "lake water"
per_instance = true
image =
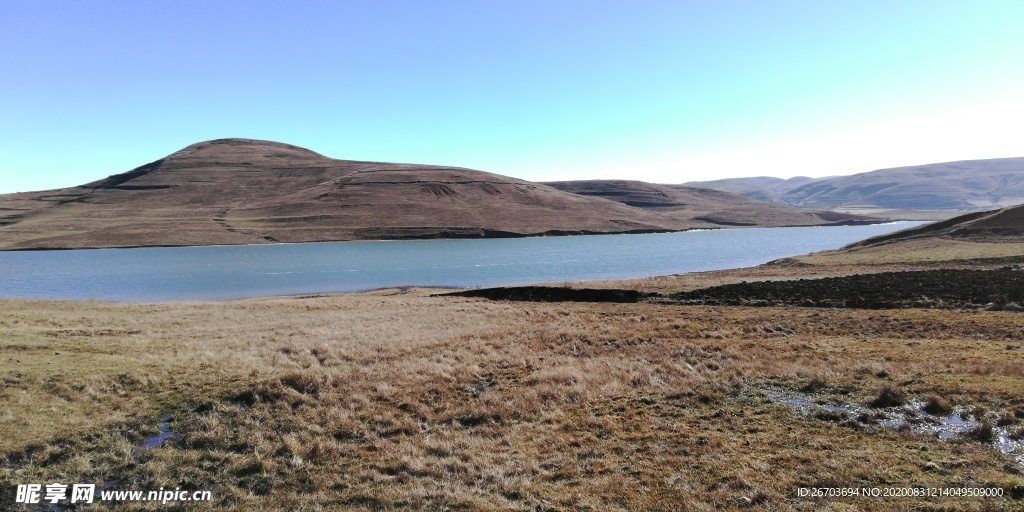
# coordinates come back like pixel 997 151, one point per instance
pixel 236 272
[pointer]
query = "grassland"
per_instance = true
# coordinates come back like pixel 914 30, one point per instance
pixel 385 400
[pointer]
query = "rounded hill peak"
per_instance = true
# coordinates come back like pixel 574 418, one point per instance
pixel 236 145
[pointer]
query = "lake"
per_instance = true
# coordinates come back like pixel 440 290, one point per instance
pixel 237 272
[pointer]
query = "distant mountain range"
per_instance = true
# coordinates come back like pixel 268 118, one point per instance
pixel 241 191
pixel 951 186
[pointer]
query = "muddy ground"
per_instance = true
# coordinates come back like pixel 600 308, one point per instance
pixel 943 289
pixel 557 294
pixel 996 289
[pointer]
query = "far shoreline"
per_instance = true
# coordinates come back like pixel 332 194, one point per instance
pixel 494 235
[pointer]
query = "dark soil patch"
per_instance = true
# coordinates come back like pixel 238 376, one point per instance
pixel 555 294
pixel 948 288
pixel 1001 289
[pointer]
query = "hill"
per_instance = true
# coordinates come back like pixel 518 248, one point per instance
pixel 763 188
pixel 950 186
pixel 1005 225
pixel 704 205
pixel 240 191
pixel 978 239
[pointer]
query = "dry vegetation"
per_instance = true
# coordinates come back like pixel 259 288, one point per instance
pixel 392 401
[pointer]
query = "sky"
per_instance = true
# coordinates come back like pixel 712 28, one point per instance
pixel 661 91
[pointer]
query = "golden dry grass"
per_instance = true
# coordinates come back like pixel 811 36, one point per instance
pixel 391 401
pixel 910 252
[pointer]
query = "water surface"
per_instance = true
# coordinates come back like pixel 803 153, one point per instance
pixel 236 272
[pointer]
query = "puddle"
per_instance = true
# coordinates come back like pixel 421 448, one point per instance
pixel 910 417
pixel 163 433
pixel 806 404
pixel 955 424
pixel 1005 444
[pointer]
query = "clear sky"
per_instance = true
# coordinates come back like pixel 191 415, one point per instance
pixel 667 91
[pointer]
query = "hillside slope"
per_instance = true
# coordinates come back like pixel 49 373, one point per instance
pixel 240 191
pixel 704 205
pixel 974 239
pixel 1005 225
pixel 762 188
pixel 952 186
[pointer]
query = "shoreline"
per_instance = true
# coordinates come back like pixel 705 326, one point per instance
pixel 489 235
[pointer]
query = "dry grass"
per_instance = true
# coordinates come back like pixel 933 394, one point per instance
pixel 925 251
pixel 391 401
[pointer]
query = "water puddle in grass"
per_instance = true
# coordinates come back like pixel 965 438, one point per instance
pixel 910 417
pixel 163 433
pixel 954 424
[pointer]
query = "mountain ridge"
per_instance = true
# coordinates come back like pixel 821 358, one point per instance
pixel 243 191
pixel 962 185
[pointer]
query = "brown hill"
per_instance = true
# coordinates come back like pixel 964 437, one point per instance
pixel 704 205
pixel 979 239
pixel 1005 225
pixel 240 191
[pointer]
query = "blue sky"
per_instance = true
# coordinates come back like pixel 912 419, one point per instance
pixel 660 91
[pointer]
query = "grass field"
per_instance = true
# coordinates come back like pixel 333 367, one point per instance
pixel 386 400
